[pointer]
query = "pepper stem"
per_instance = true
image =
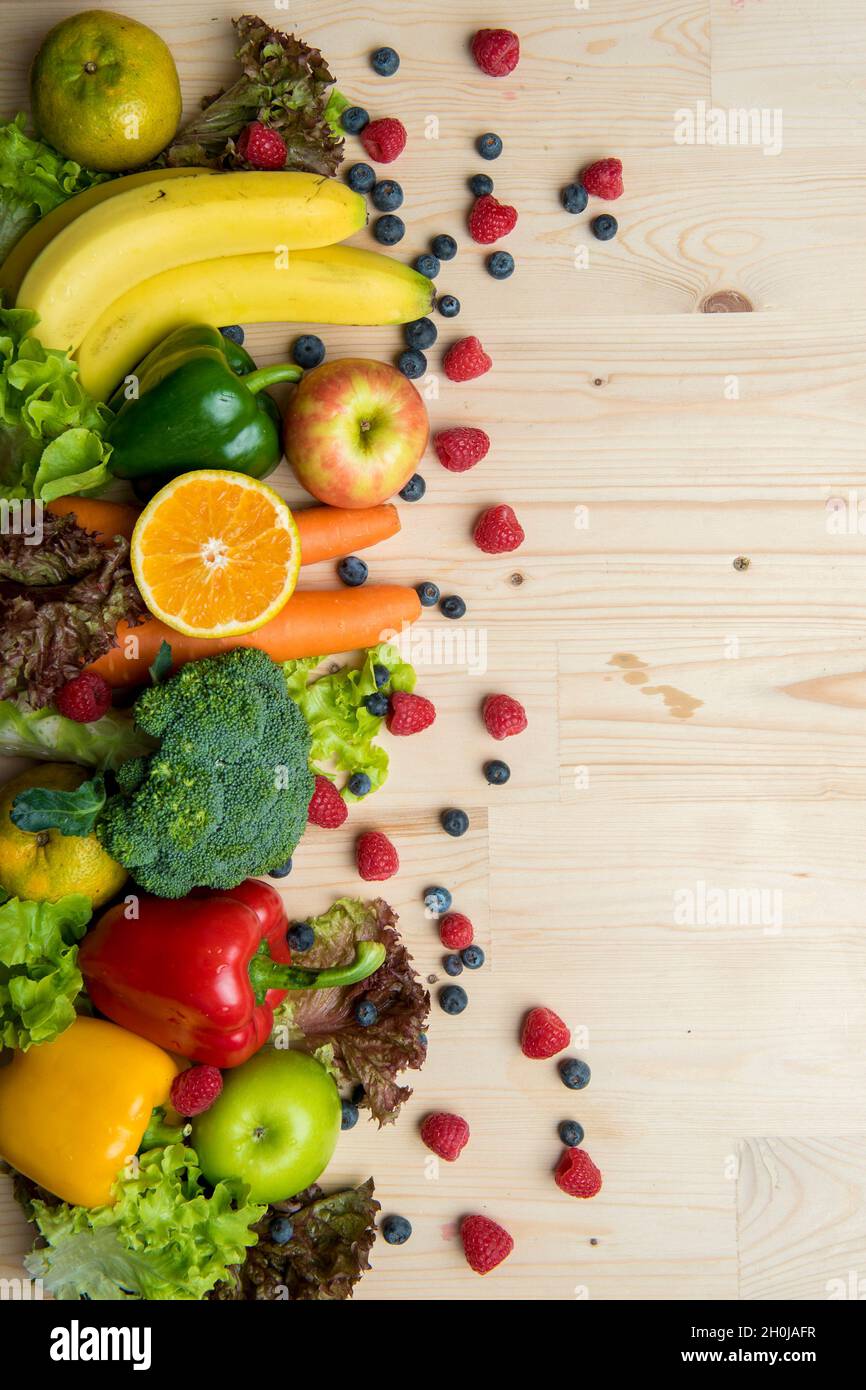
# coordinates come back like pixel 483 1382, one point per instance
pixel 269 376
pixel 266 973
pixel 160 1132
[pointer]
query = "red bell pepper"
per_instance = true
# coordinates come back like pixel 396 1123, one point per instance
pixel 202 975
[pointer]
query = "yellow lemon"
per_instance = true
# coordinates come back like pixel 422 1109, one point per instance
pixel 45 866
pixel 104 91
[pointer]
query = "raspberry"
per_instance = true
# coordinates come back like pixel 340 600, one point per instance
pixel 496 51
pixel 262 147
pixel 604 178
pixel 384 140
pixel 497 530
pixel 485 1243
pixel 503 716
pixel 195 1090
pixel 447 1135
pixel 489 219
pixel 376 856
pixel 577 1175
pixel 460 448
pixel 409 714
pixel 465 360
pixel 455 931
pixel 85 698
pixel 327 807
pixel 543 1034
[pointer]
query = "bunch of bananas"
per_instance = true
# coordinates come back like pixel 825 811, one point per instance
pixel 113 271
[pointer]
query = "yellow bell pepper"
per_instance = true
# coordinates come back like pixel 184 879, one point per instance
pixel 72 1111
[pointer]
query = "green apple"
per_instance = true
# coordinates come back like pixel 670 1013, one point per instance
pixel 275 1125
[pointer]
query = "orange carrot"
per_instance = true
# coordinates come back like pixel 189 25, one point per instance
pixel 325 532
pixel 319 622
pixel 107 519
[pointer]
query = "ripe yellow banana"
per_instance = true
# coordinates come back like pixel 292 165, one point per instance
pixel 25 251
pixel 152 228
pixel 334 284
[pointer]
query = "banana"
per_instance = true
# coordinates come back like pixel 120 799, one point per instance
pixel 25 250
pixel 155 227
pixel 334 284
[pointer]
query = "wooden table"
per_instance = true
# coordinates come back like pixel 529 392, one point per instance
pixel 677 865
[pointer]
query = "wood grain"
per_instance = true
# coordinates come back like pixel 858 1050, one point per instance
pixel 693 726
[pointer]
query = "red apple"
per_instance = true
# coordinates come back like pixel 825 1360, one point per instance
pixel 355 431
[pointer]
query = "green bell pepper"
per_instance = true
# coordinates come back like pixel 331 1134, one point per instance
pixel 198 403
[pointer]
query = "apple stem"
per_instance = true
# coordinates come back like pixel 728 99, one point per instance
pixel 270 376
pixel 266 973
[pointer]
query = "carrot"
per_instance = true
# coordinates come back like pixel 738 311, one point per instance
pixel 312 623
pixel 107 519
pixel 325 532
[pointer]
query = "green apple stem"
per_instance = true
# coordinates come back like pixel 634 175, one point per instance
pixel 266 973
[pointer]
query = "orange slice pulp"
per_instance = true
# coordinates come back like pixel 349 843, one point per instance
pixel 215 554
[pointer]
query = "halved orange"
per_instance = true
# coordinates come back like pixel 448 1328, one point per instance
pixel 215 554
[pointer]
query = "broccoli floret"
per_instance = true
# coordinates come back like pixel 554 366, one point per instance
pixel 226 794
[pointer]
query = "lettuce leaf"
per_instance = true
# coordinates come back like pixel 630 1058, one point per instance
pixel 322 1022
pixel 34 178
pixel 285 84
pixel 166 1237
pixel 51 431
pixel 39 975
pixel 329 1250
pixel 43 733
pixel 50 628
pixel 343 730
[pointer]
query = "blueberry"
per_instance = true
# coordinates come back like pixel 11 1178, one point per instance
pixel 353 571
pixel 574 197
pixel 308 351
pixel 428 593
pixel 389 229
pixel 428 265
pixel 281 1230
pixel 497 772
pixel 454 822
pixel 448 306
pixel 575 1074
pixel 385 61
pixel 437 900
pixel 452 965
pixel 453 999
pixel 381 675
pixel 376 704
pixel 481 185
pixel 361 178
pixel 387 196
pixel 353 119
pixel 366 1013
pixel 489 146
pixel 234 333
pixel 358 1093
pixel 281 870
pixel 349 1115
pixel 420 333
pixel 604 227
pixel 412 364
pixel 300 936
pixel 500 265
pixel 444 246
pixel 472 957
pixel 414 489
pixel 359 784
pixel 396 1230
pixel 422 1038
pixel 571 1133
pixel 452 606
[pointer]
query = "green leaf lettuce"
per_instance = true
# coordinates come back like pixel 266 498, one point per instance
pixel 39 975
pixel 34 178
